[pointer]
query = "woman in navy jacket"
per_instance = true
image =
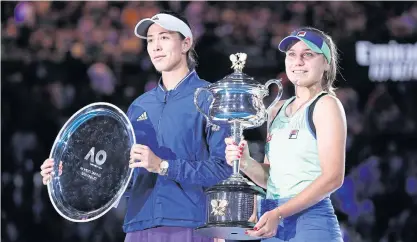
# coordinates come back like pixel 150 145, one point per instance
pixel 177 154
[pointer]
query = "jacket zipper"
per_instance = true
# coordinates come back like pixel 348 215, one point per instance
pixel 160 142
pixel 162 112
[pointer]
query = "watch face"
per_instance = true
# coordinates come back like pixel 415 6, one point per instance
pixel 164 164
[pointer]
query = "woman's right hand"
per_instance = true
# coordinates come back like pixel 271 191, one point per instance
pixel 236 152
pixel 46 170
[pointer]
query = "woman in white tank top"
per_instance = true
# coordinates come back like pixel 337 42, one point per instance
pixel 305 150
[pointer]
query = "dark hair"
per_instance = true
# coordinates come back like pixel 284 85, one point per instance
pixel 329 76
pixel 191 54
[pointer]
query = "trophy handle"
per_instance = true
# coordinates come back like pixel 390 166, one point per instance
pixel 196 94
pixel 280 91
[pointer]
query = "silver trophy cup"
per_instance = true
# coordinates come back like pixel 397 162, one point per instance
pixel 232 205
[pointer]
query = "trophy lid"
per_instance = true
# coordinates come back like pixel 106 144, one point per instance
pixel 237 79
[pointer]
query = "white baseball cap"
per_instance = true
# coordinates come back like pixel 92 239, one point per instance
pixel 166 21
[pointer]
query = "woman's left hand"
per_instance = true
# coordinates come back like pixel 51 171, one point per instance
pixel 267 225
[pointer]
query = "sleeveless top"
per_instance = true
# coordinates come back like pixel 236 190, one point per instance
pixel 292 152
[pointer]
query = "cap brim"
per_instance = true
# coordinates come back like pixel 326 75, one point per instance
pixel 286 42
pixel 142 27
pixel 166 21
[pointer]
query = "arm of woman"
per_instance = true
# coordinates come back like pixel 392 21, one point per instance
pixel 257 172
pixel 330 121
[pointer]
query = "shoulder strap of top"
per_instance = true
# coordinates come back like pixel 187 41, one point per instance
pixel 310 111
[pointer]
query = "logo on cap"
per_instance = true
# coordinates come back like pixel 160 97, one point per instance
pixel 155 18
pixel 301 33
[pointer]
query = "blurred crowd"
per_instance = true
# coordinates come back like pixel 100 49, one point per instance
pixel 57 57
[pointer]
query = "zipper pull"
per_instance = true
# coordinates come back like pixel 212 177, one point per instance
pixel 165 97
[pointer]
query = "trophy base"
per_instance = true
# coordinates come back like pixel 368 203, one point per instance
pixel 227 231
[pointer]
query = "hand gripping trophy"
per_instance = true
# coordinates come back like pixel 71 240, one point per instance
pixel 238 104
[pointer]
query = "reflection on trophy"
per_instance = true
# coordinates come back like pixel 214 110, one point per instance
pixel 237 103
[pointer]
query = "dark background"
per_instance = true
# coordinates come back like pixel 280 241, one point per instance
pixel 57 57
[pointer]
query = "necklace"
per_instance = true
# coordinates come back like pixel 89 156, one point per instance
pixel 302 105
pixel 291 114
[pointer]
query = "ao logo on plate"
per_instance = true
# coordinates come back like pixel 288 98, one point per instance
pixel 98 158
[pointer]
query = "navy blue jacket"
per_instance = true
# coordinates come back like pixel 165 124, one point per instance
pixel 169 123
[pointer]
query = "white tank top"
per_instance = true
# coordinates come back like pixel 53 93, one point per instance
pixel 292 152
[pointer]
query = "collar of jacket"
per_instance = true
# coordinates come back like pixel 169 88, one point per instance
pixel 182 86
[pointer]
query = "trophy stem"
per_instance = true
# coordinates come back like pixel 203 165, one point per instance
pixel 237 134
